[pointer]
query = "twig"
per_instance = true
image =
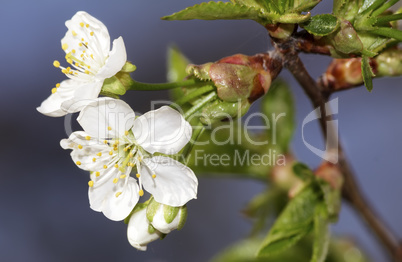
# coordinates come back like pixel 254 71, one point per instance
pixel 351 191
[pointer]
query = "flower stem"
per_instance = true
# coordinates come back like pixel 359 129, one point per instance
pixel 196 93
pixel 139 86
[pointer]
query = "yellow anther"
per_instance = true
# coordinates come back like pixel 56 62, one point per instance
pixel 91 183
pixel 80 146
pixel 105 141
pixel 54 90
pixel 87 25
pixel 104 166
pixel 125 149
pixel 115 180
pixel 82 39
pixel 139 159
pixel 94 159
pixel 80 44
pixel 73 51
pixel 138 175
pixel 92 33
pixel 56 63
pixel 89 67
pixel 115 148
pixel 126 133
pixel 153 176
pixel 109 128
pixel 87 72
pixel 92 56
pixel 58 85
pixel 131 154
pixel 99 154
pixel 141 192
pixel 88 138
pixel 86 43
pixel 122 176
pixel 69 61
pixel 97 173
pixel 74 33
pixel 64 46
pixel 116 166
pixel 82 24
pixel 78 163
pixel 118 194
pixel 111 153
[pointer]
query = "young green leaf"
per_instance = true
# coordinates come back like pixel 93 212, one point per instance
pixel 321 234
pixel 278 103
pixel 295 222
pixel 367 73
pixel 216 10
pixel 322 25
pixel 303 172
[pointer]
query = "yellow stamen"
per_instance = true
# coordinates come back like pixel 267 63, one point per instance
pixel 141 192
pixel 54 90
pixel 91 183
pixel 56 63
pixel 87 72
pixel 115 180
pixel 99 154
pixel 97 173
pixel 104 166
pixel 109 128
pixel 88 138
pixel 80 146
pixel 126 133
pixel 73 51
pixel 78 163
pixel 74 33
pixel 58 85
pixel 138 175
pixel 118 194
pixel 92 33
pixel 87 25
pixel 116 166
pixel 111 153
pixel 153 176
pixel 64 46
pixel 105 141
pixel 82 24
pixel 123 176
pixel 94 159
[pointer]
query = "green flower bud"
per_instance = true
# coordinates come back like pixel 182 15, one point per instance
pixel 389 63
pixel 346 40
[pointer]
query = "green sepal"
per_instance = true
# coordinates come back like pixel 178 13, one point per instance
pixel 199 71
pixel 367 73
pixel 321 234
pixel 151 229
pixel 153 206
pixel 321 25
pixel 170 213
pixel 183 217
pixel 138 207
pixel 114 86
pixel 216 10
pixel 295 222
pixel 128 68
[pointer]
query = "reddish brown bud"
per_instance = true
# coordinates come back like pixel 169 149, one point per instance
pixel 331 174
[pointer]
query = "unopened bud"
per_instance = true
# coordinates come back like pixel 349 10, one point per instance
pixel 331 174
pixel 222 111
pixel 165 218
pixel 389 63
pixel 346 40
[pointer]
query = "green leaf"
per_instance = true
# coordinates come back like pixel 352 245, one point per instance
pixel 303 172
pixel 388 32
pixel 321 234
pixel 367 73
pixel 278 105
pixel 176 64
pixel 322 25
pixel 295 222
pixel 304 6
pixel 332 198
pixel 216 10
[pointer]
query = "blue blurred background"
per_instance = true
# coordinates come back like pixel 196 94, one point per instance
pixel 44 211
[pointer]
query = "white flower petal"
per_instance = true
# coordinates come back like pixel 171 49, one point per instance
pixel 84 94
pixel 78 30
pixel 137 231
pixel 116 60
pixel 52 105
pixel 106 118
pixel 175 184
pixel 159 222
pixel 102 188
pixel 88 154
pixel 117 208
pixel 163 130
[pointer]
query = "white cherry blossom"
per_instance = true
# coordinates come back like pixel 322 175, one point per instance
pixel 114 143
pixel 87 48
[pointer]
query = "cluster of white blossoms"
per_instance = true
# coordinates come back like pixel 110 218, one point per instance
pixel 124 154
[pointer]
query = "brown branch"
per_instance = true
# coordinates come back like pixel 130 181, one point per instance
pixel 351 190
